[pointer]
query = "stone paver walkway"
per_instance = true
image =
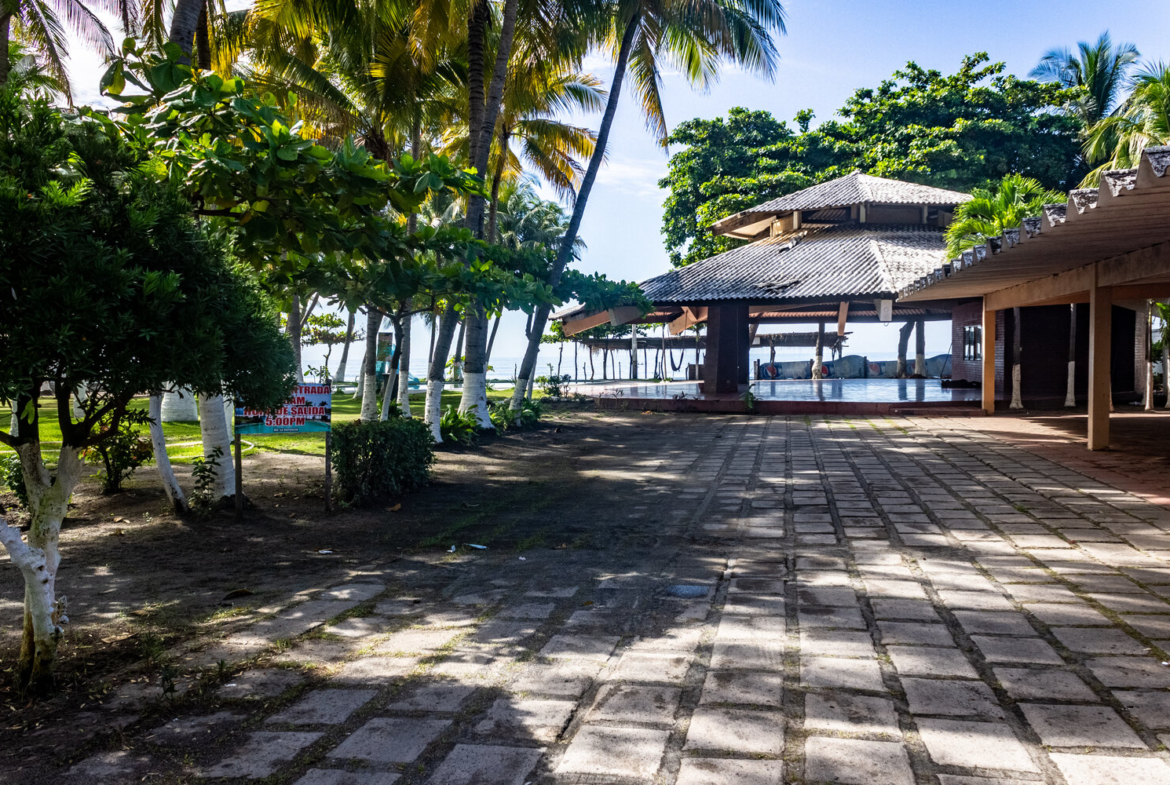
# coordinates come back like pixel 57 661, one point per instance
pixel 851 601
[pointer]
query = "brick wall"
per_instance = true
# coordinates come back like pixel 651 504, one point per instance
pixel 971 314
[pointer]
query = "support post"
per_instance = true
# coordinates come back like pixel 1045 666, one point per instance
pixel 239 479
pixel 988 378
pixel 725 361
pixel 1100 359
pixel 920 348
pixel 1070 395
pixel 633 353
pixel 819 357
pixel 328 471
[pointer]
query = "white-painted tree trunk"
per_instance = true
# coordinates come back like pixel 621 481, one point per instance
pixel 1017 398
pixel 387 396
pixel 404 365
pixel 39 558
pixel 79 397
pixel 433 411
pixel 360 390
pixel 1070 397
pixel 162 460
pixel 179 406
pixel 214 426
pixel 475 397
pixel 1148 381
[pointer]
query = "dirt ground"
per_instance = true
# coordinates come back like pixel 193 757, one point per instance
pixel 140 581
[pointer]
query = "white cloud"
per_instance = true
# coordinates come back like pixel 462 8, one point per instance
pixel 634 176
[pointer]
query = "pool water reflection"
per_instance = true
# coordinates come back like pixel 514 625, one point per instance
pixel 825 390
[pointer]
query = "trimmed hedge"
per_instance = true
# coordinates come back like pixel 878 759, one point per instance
pixel 376 461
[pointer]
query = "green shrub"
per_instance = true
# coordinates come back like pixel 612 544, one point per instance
pixel 382 459
pixel 121 451
pixel 505 419
pixel 457 427
pixel 13 476
pixel 554 386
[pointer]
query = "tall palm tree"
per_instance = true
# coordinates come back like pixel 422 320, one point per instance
pixel 1097 71
pixel 989 214
pixel 695 36
pixel 1143 120
pixel 37 25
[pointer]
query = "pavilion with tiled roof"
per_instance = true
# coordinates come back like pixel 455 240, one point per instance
pixel 838 251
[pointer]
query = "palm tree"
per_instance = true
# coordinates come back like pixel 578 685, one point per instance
pixel 990 214
pixel 1143 120
pixel 37 25
pixel 694 36
pixel 1097 72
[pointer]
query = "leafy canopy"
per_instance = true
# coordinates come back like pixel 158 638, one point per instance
pixel 109 283
pixel 959 131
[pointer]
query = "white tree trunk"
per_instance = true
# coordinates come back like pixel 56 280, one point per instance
pixel 179 406
pixel 1017 398
pixel 40 557
pixel 1148 381
pixel 162 460
pixel 214 426
pixel 434 405
pixel 387 397
pixel 404 372
pixel 79 397
pixel 475 397
pixel 369 369
pixel 1070 397
pixel 360 390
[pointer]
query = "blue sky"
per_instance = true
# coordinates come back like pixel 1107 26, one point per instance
pixel 832 48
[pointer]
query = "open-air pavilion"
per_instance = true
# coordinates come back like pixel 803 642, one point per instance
pixel 1105 245
pixel 834 253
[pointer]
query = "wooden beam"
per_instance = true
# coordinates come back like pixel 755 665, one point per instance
pixel 842 314
pixel 574 326
pixel 988 380
pixel 1100 348
pixel 691 316
pixel 1127 269
pixel 623 314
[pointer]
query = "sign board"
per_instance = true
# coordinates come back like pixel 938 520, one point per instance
pixel 308 411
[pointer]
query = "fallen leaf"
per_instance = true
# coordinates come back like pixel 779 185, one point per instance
pixel 396 507
pixel 236 593
pixel 119 533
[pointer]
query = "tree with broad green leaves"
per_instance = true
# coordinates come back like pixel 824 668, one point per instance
pixel 111 287
pixel 960 131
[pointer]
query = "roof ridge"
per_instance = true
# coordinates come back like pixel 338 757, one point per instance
pixel 883 264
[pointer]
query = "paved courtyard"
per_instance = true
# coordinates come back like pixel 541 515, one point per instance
pixel 844 600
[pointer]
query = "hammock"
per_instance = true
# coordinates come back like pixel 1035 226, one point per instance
pixel 676 366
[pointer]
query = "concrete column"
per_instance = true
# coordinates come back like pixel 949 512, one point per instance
pixel 1100 359
pixel 988 380
pixel 725 361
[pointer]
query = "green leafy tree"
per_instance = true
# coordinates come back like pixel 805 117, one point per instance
pixel 961 131
pixel 113 288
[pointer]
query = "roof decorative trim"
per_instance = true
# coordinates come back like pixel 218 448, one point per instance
pixel 1082 203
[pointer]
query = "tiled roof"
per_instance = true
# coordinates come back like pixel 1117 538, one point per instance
pixel 857 188
pixel 814 263
pixel 1130 210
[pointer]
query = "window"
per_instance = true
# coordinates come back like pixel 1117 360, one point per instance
pixel 972 343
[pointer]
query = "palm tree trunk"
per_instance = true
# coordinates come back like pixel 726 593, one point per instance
pixel 370 371
pixel 565 253
pixel 345 349
pixel 1070 395
pixel 203 41
pixel 492 337
pixel 404 367
pixel 494 208
pixel 5 28
pixel 1017 393
pixel 184 22
pixel 440 346
pixel 392 366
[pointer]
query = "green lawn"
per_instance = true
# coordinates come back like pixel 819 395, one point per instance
pixel 345 408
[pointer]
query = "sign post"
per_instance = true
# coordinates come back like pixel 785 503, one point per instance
pixel 310 410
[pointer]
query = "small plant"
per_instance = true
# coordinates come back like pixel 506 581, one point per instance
pixel 504 418
pixel 13 476
pixel 320 374
pixel 554 386
pixel 749 398
pixel 122 449
pixel 459 428
pixel 204 470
